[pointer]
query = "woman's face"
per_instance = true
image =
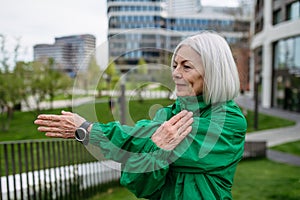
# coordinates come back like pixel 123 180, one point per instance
pixel 188 72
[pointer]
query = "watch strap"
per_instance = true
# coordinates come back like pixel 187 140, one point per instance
pixel 85 125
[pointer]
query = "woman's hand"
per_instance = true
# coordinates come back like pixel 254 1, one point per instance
pixel 59 126
pixel 172 132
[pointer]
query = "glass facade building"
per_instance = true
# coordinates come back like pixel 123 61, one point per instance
pixel 70 53
pixel 276 47
pixel 151 29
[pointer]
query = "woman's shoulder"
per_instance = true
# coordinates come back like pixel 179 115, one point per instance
pixel 235 116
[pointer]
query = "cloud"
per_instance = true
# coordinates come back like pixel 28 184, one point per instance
pixel 36 21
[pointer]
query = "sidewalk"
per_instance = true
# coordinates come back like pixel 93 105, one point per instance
pixel 277 136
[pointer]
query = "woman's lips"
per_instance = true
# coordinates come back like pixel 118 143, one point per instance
pixel 178 85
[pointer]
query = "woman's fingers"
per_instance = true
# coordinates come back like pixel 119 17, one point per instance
pixel 55 129
pixel 49 123
pixel 177 117
pixel 183 127
pixel 61 126
pixel 66 113
pixel 172 132
pixel 183 121
pixel 59 135
pixel 49 117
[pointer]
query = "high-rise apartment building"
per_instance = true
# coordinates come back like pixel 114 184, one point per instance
pixel 70 53
pixel 182 7
pixel 275 69
pixel 148 29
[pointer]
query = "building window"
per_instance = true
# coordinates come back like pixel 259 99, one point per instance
pixel 293 11
pixel 287 54
pixel 286 82
pixel 277 16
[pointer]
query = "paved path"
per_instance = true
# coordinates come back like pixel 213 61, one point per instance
pixel 277 136
pixel 282 157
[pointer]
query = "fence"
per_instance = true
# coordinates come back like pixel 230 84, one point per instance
pixel 52 169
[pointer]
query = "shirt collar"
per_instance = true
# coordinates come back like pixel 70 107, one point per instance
pixel 194 104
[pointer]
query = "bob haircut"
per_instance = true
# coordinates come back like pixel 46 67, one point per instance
pixel 221 79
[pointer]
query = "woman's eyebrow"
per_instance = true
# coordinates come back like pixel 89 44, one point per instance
pixel 183 61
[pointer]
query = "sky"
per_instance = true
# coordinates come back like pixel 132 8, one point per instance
pixel 40 21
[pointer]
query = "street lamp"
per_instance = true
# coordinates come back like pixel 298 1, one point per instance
pixel 123 100
pixel 256 84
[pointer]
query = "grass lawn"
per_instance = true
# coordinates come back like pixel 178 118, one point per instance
pixel 254 180
pixel 266 180
pixel 291 147
pixel 266 122
pixel 115 193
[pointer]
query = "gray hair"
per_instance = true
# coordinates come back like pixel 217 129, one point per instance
pixel 221 79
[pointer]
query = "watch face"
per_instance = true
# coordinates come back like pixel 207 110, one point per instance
pixel 80 134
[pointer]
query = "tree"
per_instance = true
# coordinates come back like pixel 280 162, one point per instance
pixel 112 75
pixel 11 86
pixel 143 76
pixel 43 81
pixel 56 82
pixel 93 76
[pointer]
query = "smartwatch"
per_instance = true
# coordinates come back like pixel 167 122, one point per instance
pixel 82 133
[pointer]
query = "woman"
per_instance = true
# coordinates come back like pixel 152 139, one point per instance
pixel 190 150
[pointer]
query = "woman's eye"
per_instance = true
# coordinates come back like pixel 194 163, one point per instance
pixel 187 67
pixel 174 66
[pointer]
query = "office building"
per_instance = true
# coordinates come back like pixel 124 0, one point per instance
pixel 70 53
pixel 150 29
pixel 275 68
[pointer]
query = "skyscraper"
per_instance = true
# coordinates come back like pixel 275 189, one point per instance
pixel 70 53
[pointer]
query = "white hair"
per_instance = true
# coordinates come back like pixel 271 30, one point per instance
pixel 221 79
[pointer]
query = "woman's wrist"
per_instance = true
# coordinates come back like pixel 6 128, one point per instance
pixel 89 129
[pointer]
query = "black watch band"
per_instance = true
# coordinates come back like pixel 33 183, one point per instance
pixel 82 133
pixel 85 125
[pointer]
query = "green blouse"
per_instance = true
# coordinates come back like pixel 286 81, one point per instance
pixel 202 166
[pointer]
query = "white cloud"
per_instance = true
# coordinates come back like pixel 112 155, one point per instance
pixel 40 21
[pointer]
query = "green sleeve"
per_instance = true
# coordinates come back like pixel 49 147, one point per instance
pixel 144 165
pixel 214 136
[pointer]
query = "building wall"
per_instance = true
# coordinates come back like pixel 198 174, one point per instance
pixel 136 24
pixel 70 53
pixel 277 25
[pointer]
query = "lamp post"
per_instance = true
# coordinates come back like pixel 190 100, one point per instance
pixel 123 100
pixel 256 84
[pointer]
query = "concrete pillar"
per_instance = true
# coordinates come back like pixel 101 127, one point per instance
pixel 267 76
pixel 267 58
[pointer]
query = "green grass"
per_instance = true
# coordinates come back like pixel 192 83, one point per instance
pixel 266 180
pixel 254 180
pixel 22 126
pixel 291 147
pixel 115 193
pixel 266 122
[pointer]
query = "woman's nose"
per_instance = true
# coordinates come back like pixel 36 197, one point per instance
pixel 177 73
